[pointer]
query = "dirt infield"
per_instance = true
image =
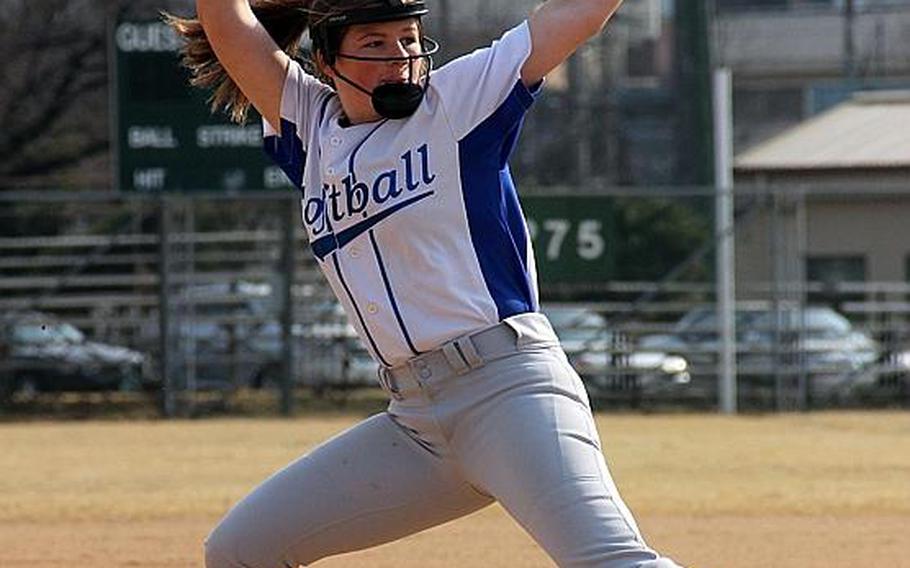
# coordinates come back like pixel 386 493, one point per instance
pixel 813 490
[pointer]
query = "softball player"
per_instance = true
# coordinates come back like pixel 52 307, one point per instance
pixel 412 214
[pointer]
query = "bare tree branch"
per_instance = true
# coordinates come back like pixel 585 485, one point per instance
pixel 58 100
pixel 54 93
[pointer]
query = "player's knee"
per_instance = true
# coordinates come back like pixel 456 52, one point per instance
pixel 660 563
pixel 220 550
pixel 233 544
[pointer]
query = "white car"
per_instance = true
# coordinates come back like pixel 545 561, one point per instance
pixel 814 340
pixel 606 360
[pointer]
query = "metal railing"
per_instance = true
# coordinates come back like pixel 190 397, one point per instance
pixel 222 294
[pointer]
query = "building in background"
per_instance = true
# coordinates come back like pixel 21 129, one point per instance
pixel 844 213
pixel 792 59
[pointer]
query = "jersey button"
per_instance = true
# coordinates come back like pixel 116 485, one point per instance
pixel 355 253
pixel 372 309
pixel 331 171
pixel 336 141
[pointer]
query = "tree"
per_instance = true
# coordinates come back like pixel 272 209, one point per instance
pixel 658 237
pixel 54 97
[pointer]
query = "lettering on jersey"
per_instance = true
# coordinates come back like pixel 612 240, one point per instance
pixel 353 197
pixel 324 246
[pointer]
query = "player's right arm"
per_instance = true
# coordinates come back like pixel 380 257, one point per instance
pixel 558 28
pixel 247 52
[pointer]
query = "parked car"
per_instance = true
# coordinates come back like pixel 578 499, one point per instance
pixel 229 336
pixel 329 354
pixel 39 353
pixel 605 359
pixel 814 340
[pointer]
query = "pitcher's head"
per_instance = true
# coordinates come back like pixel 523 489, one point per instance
pixel 376 55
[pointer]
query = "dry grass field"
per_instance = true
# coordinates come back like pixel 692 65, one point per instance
pixel 777 491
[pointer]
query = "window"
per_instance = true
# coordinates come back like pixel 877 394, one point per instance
pixel 831 270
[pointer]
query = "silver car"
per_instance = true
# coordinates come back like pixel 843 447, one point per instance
pixel 813 341
pixel 606 360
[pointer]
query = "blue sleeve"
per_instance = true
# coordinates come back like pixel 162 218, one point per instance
pixel 301 98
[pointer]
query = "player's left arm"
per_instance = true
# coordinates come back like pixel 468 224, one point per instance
pixel 558 28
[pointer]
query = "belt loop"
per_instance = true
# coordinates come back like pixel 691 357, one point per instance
pixel 468 350
pixel 456 361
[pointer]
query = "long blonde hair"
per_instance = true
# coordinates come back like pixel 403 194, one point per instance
pixel 285 20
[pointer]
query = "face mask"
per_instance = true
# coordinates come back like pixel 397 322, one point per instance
pixel 397 100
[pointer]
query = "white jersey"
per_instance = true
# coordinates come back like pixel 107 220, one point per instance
pixel 416 222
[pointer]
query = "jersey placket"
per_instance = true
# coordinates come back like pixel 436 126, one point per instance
pixel 373 307
pixel 341 258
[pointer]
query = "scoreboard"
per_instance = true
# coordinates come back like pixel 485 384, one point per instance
pixel 167 140
pixel 574 237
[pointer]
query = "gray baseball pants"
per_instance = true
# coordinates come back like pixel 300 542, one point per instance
pixel 496 416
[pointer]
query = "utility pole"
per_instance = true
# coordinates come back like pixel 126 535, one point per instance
pixel 695 156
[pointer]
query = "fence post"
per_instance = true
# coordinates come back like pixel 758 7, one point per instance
pixel 164 308
pixel 800 278
pixel 726 254
pixel 289 220
pixel 775 229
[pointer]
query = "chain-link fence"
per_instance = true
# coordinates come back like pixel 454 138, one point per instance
pixel 202 295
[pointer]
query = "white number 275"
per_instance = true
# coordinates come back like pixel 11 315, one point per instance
pixel 590 240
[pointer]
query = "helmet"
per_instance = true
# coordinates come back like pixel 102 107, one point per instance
pixel 379 11
pixel 396 100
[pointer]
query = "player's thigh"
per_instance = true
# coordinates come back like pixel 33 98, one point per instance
pixel 536 450
pixel 369 485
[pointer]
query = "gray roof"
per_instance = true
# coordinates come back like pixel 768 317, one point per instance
pixel 870 131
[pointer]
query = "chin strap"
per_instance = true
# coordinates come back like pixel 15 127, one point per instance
pixel 351 83
pixel 391 100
